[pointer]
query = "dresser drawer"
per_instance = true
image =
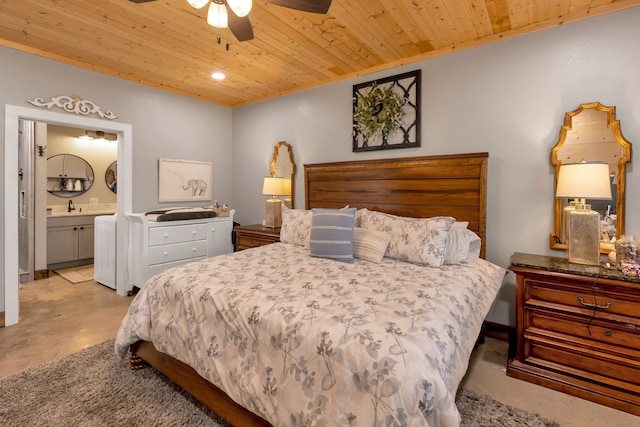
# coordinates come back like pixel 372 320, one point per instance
pixel 176 234
pixel 600 301
pixel 177 251
pixel 614 337
pixel 597 367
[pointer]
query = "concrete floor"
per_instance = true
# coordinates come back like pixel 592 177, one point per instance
pixel 58 318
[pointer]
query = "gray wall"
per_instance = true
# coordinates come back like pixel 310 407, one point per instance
pixel 164 124
pixel 507 98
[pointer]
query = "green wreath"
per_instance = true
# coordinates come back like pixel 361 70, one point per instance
pixel 378 111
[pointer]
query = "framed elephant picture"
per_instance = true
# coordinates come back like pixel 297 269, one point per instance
pixel 184 180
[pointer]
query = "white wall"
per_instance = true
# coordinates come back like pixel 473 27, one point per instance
pixel 507 98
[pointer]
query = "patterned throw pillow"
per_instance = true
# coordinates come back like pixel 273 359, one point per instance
pixel 295 227
pixel 370 244
pixel 416 240
pixel 463 247
pixel 331 234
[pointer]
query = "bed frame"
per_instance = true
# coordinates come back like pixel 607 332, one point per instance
pixel 447 185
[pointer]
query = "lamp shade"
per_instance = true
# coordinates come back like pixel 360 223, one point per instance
pixel 287 186
pixel 240 7
pixel 217 15
pixel 273 186
pixel 198 4
pixel 584 181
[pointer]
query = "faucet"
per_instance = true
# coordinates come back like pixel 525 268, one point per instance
pixel 71 207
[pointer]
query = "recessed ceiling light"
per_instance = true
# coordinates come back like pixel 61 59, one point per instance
pixel 218 75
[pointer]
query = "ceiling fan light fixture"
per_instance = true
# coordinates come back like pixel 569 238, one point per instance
pixel 217 15
pixel 240 7
pixel 198 4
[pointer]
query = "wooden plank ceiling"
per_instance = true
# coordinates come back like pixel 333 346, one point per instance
pixel 168 44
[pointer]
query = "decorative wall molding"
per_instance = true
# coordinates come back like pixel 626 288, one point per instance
pixel 73 104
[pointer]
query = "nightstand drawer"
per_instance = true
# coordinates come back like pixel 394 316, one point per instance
pixel 252 236
pixel 621 338
pixel 177 251
pixel 600 300
pixel 246 242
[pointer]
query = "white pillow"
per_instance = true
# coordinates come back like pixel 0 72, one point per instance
pixel 370 244
pixel 296 224
pixel 416 240
pixel 463 247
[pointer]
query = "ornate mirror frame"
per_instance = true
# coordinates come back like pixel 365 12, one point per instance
pixel 587 135
pixel 278 166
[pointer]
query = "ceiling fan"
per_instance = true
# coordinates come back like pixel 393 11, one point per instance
pixel 234 13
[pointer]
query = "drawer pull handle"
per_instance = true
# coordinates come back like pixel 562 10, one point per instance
pixel 607 333
pixel 594 305
pixel 194 232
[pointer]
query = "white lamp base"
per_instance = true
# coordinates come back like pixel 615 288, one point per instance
pixel 273 213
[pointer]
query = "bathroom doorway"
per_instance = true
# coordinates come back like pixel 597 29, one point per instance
pixel 64 175
pixel 10 261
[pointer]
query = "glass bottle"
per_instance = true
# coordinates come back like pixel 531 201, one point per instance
pixel 626 251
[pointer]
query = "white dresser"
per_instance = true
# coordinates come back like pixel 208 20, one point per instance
pixel 156 246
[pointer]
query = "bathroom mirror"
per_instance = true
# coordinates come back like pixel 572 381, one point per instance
pixel 282 165
pixel 68 175
pixel 111 177
pixel 591 133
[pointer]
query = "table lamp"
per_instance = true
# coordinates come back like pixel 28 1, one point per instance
pixel 287 192
pixel 273 186
pixel 583 181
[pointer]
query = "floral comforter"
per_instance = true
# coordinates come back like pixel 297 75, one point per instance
pixel 305 341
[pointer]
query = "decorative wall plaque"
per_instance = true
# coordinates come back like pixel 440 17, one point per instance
pixel 73 104
pixel 386 113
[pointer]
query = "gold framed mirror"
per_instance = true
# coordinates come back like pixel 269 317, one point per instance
pixel 591 133
pixel 283 165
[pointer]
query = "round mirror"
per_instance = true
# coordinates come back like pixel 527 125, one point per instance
pixel 68 175
pixel 111 177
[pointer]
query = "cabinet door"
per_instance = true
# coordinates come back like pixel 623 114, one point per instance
pixel 85 241
pixel 55 165
pixel 62 244
pixel 75 167
pixel 219 238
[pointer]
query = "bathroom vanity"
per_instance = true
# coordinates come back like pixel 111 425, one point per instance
pixel 69 240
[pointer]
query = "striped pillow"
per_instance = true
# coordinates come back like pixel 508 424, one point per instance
pixel 331 233
pixel 370 244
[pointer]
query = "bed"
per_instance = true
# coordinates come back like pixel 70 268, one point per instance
pixel 274 336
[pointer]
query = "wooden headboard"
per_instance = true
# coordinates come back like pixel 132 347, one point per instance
pixel 421 187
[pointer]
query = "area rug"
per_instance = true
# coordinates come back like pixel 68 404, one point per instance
pixel 94 388
pixel 76 274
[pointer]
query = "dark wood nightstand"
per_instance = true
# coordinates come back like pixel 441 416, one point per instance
pixel 251 236
pixel 578 330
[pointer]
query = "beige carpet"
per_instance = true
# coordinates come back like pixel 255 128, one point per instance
pixel 76 274
pixel 93 388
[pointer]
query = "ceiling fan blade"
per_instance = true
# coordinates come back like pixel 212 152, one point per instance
pixel 313 6
pixel 240 27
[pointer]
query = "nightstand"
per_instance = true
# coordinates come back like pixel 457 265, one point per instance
pixel 251 236
pixel 578 330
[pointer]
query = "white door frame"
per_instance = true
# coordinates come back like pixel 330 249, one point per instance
pixel 124 196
